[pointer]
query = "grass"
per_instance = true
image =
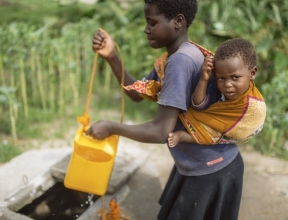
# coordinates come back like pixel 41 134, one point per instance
pixel 8 151
pixel 37 12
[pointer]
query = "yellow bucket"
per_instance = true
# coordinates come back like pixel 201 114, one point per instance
pixel 91 163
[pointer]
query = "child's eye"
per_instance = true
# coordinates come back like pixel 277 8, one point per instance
pixel 220 78
pixel 235 77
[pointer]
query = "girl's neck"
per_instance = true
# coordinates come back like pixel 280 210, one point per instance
pixel 172 48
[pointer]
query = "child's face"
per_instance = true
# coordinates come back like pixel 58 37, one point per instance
pixel 160 32
pixel 233 77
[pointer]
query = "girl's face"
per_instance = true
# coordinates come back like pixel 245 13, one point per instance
pixel 233 77
pixel 160 32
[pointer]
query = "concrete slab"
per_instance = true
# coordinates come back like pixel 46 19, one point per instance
pixel 6 214
pixel 24 178
pixel 130 156
pixel 35 171
pixel 24 169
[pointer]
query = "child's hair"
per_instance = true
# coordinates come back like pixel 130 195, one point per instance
pixel 171 8
pixel 237 47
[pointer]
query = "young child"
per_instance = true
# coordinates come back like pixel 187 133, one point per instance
pixel 206 182
pixel 235 70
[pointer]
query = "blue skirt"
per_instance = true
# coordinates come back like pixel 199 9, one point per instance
pixel 214 196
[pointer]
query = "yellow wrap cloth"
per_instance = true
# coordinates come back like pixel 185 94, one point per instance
pixel 228 121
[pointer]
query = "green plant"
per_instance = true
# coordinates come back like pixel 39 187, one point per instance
pixel 8 151
pixel 7 97
pixel 272 139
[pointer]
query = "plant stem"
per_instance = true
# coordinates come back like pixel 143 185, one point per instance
pixel 40 82
pixel 23 88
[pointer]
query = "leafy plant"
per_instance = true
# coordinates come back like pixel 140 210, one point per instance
pixel 274 135
pixel 7 96
pixel 8 151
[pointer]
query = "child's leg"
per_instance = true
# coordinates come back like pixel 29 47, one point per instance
pixel 179 136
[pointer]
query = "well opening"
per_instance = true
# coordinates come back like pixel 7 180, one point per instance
pixel 58 203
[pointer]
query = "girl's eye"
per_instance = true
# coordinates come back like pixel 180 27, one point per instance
pixel 235 77
pixel 151 23
pixel 220 79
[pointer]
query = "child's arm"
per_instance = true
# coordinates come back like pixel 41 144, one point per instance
pixel 199 94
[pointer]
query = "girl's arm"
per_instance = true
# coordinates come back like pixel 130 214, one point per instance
pixel 105 46
pixel 154 131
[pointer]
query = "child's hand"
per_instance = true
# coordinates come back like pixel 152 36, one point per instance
pixel 207 67
pixel 103 43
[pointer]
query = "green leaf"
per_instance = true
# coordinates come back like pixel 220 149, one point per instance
pixel 280 61
pixel 277 13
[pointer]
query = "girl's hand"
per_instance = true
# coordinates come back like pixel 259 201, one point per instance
pixel 99 130
pixel 103 43
pixel 207 68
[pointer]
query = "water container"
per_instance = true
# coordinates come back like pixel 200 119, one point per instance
pixel 91 163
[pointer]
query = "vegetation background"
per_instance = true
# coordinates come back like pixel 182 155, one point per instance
pixel 46 61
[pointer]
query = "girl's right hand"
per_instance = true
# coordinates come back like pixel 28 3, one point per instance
pixel 103 43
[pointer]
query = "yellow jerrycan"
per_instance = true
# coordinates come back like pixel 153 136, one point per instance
pixel 91 162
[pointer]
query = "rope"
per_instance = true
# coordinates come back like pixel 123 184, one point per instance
pixel 92 80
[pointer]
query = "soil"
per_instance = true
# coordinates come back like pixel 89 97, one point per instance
pixel 265 190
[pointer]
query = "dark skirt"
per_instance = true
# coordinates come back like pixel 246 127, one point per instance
pixel 214 196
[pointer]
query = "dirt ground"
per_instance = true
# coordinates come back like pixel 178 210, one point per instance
pixel 265 191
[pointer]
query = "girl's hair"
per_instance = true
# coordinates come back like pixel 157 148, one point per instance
pixel 237 47
pixel 171 8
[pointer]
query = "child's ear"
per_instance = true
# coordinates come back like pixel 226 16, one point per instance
pixel 253 72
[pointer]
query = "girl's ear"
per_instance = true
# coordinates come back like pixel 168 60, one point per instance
pixel 179 21
pixel 253 72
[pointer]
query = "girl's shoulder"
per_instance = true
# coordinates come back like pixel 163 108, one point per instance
pixel 189 51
